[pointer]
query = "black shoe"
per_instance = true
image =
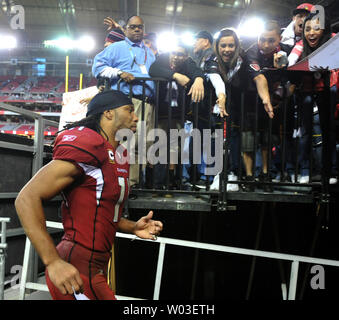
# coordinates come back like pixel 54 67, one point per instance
pixel 149 178
pixel 265 177
pixel 186 185
pixel 201 184
pixel 286 178
pixel 249 187
pixel 172 181
pixel 316 178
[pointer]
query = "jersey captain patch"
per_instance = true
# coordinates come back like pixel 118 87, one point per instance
pixel 111 156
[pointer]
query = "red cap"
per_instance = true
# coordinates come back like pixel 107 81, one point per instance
pixel 303 7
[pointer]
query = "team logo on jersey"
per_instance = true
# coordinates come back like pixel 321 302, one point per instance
pixel 67 137
pixel 111 156
pixel 255 67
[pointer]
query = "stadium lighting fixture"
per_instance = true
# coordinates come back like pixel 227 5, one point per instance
pixel 86 43
pixel 188 38
pixel 166 41
pixel 65 43
pixel 61 43
pixel 7 42
pixel 251 28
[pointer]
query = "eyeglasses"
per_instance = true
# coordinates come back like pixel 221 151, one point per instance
pixel 134 26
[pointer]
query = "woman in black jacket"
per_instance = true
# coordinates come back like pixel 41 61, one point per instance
pixel 230 64
pixel 182 75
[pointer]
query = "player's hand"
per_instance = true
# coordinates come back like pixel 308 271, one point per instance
pixel 65 277
pixel 146 228
pixel 128 77
pixel 197 90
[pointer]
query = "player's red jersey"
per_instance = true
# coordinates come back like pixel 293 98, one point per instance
pixel 93 204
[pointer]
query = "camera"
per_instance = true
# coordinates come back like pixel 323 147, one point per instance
pixel 282 61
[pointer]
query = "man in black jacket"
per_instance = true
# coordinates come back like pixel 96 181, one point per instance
pixel 182 73
pixel 267 53
pixel 203 55
pixel 202 48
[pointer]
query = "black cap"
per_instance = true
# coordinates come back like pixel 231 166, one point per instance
pixel 204 35
pixel 107 100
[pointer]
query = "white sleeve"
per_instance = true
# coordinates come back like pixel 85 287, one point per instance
pixel 109 72
pixel 217 83
pixel 292 59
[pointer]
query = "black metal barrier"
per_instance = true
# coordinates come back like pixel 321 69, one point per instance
pixel 284 154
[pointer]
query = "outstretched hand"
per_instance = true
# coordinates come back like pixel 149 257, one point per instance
pixel 319 69
pixel 222 105
pixel 268 107
pixel 197 90
pixel 111 23
pixel 146 228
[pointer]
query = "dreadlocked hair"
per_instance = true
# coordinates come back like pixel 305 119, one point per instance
pixel 90 122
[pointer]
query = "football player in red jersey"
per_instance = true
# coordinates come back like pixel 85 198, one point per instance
pixel 94 186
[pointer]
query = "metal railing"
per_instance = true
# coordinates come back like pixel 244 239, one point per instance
pixel 38 146
pixel 289 294
pixel 3 248
pixel 290 119
pixel 37 151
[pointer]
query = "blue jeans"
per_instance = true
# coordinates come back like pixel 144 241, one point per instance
pixel 311 126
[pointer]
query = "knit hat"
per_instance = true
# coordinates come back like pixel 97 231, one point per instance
pixel 107 100
pixel 115 35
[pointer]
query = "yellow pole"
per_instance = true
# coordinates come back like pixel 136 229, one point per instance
pixel 111 271
pixel 66 81
pixel 80 82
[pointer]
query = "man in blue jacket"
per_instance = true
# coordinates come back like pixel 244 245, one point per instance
pixel 126 60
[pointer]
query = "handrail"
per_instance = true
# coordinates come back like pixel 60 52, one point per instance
pixel 163 241
pixel 282 171
pixel 28 113
pixel 40 122
pixel 3 247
